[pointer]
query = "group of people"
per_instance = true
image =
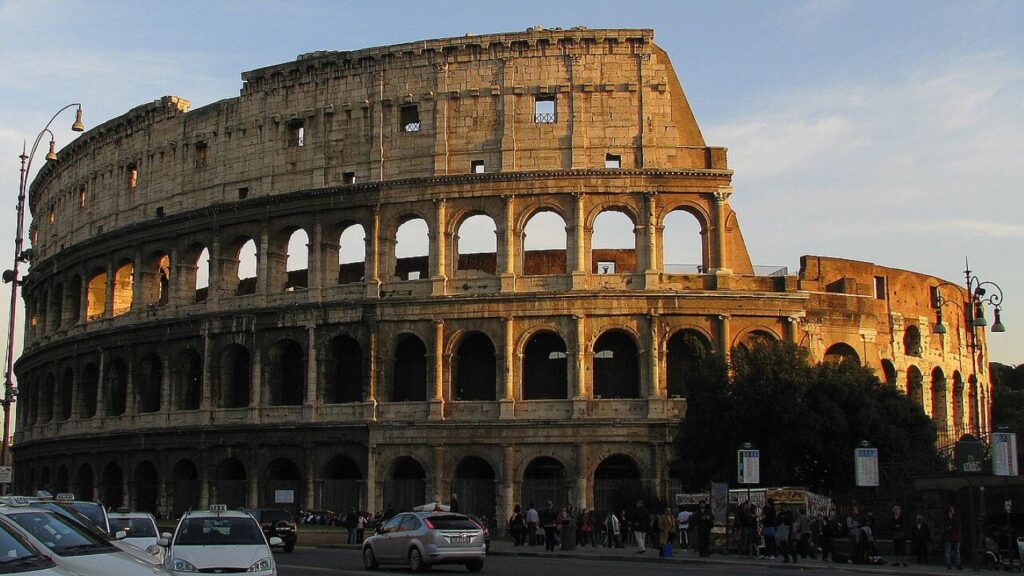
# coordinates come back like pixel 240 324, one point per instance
pixel 355 522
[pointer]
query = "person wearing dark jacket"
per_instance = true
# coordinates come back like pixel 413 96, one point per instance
pixel 548 518
pixel 921 537
pixel 899 536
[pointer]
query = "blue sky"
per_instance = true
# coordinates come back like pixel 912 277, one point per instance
pixel 891 132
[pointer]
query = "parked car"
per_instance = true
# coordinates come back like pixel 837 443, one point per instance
pixel 277 522
pixel 139 528
pixel 424 539
pixel 74 547
pixel 117 539
pixel 487 531
pixel 21 556
pixel 219 541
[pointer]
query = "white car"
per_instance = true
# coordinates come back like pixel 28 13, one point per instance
pixel 73 547
pixel 18 555
pixel 139 527
pixel 219 541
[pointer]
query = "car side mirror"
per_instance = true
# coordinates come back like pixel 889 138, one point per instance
pixel 275 541
pixel 155 549
pixel 163 542
pixel 120 535
pixel 165 536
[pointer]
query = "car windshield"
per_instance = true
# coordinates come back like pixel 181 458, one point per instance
pixel 92 511
pixel 16 555
pixel 135 527
pixel 70 513
pixel 219 532
pixel 453 523
pixel 62 536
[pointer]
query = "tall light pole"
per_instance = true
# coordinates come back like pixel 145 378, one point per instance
pixel 973 312
pixel 11 276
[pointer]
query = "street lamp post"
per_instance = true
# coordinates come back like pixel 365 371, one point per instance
pixel 973 312
pixel 20 255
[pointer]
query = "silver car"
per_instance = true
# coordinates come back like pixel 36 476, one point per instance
pixel 424 539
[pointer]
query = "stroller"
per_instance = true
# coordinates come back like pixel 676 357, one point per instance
pixel 994 559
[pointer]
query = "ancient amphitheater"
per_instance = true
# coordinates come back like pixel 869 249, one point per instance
pixel 227 304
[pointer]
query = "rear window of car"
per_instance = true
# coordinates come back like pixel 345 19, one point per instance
pixel 453 523
pixel 135 527
pixel 275 516
pixel 92 511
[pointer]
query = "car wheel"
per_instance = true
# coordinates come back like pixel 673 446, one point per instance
pixel 475 566
pixel 416 563
pixel 369 560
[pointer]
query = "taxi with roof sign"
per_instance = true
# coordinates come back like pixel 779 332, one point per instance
pixel 218 541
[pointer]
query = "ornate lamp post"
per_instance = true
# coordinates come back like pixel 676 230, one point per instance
pixel 20 255
pixel 980 294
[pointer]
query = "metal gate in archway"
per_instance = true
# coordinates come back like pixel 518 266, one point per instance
pixel 185 496
pixel 404 494
pixel 476 496
pixel 616 494
pixel 286 494
pixel 231 493
pixel 339 495
pixel 541 491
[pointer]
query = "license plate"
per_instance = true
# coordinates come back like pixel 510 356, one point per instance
pixel 459 539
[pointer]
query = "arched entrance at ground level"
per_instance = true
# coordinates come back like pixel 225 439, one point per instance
pixel 146 487
pixel 112 486
pixel 617 484
pixel 474 486
pixel 339 489
pixel 282 486
pixel 407 486
pixel 185 487
pixel 915 386
pixel 544 481
pixel 230 484
pixel 84 482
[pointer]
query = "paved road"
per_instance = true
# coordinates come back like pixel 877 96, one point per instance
pixel 328 561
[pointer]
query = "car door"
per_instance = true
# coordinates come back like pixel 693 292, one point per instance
pixel 384 546
pixel 410 528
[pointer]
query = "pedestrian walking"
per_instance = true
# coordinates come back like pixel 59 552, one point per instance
pixel 784 535
pixel 746 522
pixel 951 538
pixel 640 527
pixel 612 527
pixel 517 526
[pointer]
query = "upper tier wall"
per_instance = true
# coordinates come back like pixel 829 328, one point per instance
pixel 439 107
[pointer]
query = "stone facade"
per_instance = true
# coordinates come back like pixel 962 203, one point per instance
pixel 159 372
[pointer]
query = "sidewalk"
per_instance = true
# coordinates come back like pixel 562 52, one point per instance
pixel 504 547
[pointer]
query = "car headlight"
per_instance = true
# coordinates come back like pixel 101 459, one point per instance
pixel 261 565
pixel 179 565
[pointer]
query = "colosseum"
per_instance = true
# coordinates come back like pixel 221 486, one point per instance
pixel 335 290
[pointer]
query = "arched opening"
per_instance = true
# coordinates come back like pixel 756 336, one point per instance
pixel 112 486
pixel 683 244
pixel 344 371
pixel 352 254
pixel 841 352
pixel 56 307
pixel 406 488
pixel 197 278
pixel 545 368
pixel 474 488
pixel 754 338
pixel 912 341
pixel 340 487
pixel 44 479
pixel 41 317
pixel 475 369
pixel 412 245
pixel 62 482
pixel 87 390
pixel 67 388
pixel 958 404
pixel 235 376
pixel 96 296
pixel 939 414
pixel 544 244
pixel 283 487
pixel 156 280
pixel 617 483
pixel 476 245
pixel 85 483
pixel 543 482
pixel 613 244
pixel 73 296
pixel 240 272
pixel 146 487
pixel 888 372
pixel 124 278
pixel 148 383
pixel 616 367
pixel 410 370
pixel 189 386
pixel 684 352
pixel 915 386
pixel 286 371
pixel 47 399
pixel 229 485
pixel 185 490
pixel 297 266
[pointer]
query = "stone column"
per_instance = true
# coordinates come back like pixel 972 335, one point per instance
pixel 204 485
pixel 255 378
pixel 312 380
pixel 207 402
pixel 721 201
pixel 108 298
pixel 437 396
pixel 310 499
pixel 252 499
pixel 579 392
pixel 166 382
pixel 508 480
pixel 215 286
pixel 582 468
pixel 650 241
pixel 130 406
pixel 578 258
pixel 264 264
pixel 506 408
pixel 101 385
pixel 370 404
pixel 507 253
pixel 439 478
pixel 314 262
pixel 439 248
pixel 724 335
pixel 371 273
pixel 372 503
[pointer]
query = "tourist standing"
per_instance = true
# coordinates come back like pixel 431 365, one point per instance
pixel 612 527
pixel 549 520
pixel 683 527
pixel 922 537
pixel 899 536
pixel 769 522
pixel 951 538
pixel 640 527
pixel 517 526
pixel 532 521
pixel 666 523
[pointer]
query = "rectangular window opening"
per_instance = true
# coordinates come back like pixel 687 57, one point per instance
pixel 133 175
pixel 52 218
pixel 243 192
pixel 544 109
pixel 296 133
pixel 409 118
pixel 348 177
pixel 201 149
pixel 612 161
pixel 880 287
pixel 81 197
pixel 159 211
pixel 478 166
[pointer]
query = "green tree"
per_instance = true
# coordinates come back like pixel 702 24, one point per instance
pixel 806 420
pixel 1008 396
